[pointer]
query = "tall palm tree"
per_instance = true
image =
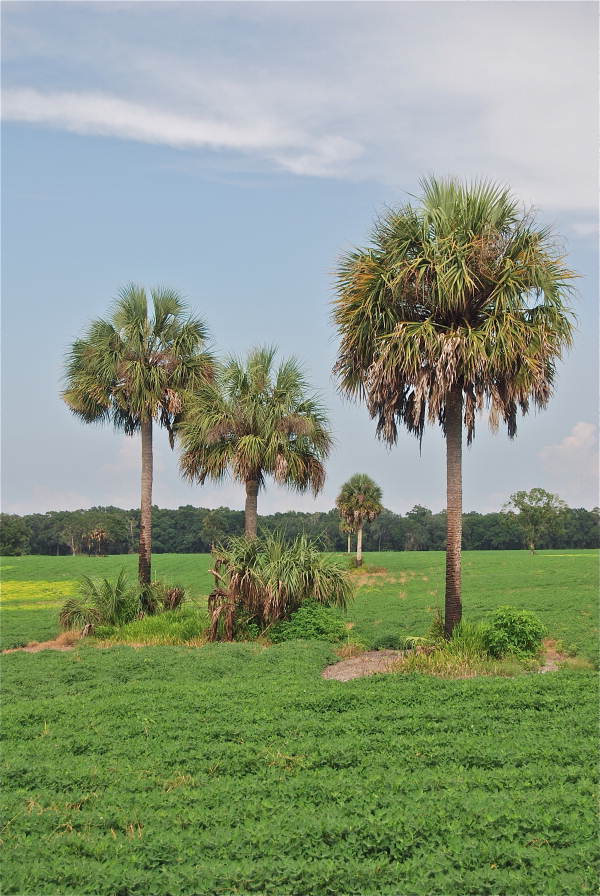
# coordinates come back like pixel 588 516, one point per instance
pixel 254 420
pixel 358 502
pixel 131 369
pixel 459 303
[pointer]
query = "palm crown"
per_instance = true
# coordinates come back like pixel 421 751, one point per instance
pixel 133 367
pixel 255 421
pixel 359 501
pixel 462 291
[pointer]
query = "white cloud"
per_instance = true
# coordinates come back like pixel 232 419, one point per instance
pixel 368 90
pixel 106 115
pixel 572 465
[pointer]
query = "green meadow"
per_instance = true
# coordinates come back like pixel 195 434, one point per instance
pixel 398 592
pixel 236 769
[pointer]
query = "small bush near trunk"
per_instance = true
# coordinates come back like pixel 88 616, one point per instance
pixel 310 622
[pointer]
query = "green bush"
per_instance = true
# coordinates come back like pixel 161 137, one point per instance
pixel 513 631
pixel 311 622
pixel 389 641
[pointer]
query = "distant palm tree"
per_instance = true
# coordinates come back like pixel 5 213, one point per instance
pixel 256 421
pixel 132 369
pixel 358 502
pixel 348 530
pixel 459 303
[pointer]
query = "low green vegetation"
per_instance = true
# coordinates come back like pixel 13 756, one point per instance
pixel 186 625
pixel 310 622
pixel 238 769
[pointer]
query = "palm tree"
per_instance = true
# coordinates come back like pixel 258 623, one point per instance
pixel 347 529
pixel 459 303
pixel 256 421
pixel 358 502
pixel 130 370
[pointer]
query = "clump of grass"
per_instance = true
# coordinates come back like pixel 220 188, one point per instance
pixel 185 626
pixel 445 664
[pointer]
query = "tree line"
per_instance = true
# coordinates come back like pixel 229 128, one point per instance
pixel 111 530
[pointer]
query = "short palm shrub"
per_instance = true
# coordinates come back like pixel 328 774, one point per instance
pixel 158 596
pixel 101 602
pixel 265 580
pixel 310 622
pixel 513 631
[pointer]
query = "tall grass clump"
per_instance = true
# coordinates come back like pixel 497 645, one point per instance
pixel 181 626
pixel 264 580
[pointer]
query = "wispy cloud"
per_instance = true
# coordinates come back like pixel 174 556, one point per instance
pixel 378 91
pixel 105 115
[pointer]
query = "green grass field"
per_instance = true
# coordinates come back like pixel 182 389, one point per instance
pixel 561 586
pixel 234 769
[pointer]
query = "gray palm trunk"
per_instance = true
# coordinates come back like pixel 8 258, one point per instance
pixel 349 545
pixel 250 510
pixel 453 604
pixel 359 546
pixel 145 551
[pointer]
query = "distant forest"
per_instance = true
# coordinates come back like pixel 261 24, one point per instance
pixel 110 530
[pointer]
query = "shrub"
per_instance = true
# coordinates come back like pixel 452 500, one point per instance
pixel 101 602
pixel 158 596
pixel 264 580
pixel 436 629
pixel 310 622
pixel 513 631
pixel 468 639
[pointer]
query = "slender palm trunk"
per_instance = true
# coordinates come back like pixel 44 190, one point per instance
pixel 359 546
pixel 250 511
pixel 453 607
pixel 349 545
pixel 145 560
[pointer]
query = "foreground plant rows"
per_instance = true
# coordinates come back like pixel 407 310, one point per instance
pixel 236 769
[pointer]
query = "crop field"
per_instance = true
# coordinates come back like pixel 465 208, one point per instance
pixel 236 769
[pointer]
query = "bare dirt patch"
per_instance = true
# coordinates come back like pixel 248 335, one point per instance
pixel 372 662
pixel 552 657
pixel 64 641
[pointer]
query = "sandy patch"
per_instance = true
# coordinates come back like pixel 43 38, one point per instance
pixel 65 641
pixel 372 662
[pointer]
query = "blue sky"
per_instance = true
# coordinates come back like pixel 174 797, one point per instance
pixel 234 151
